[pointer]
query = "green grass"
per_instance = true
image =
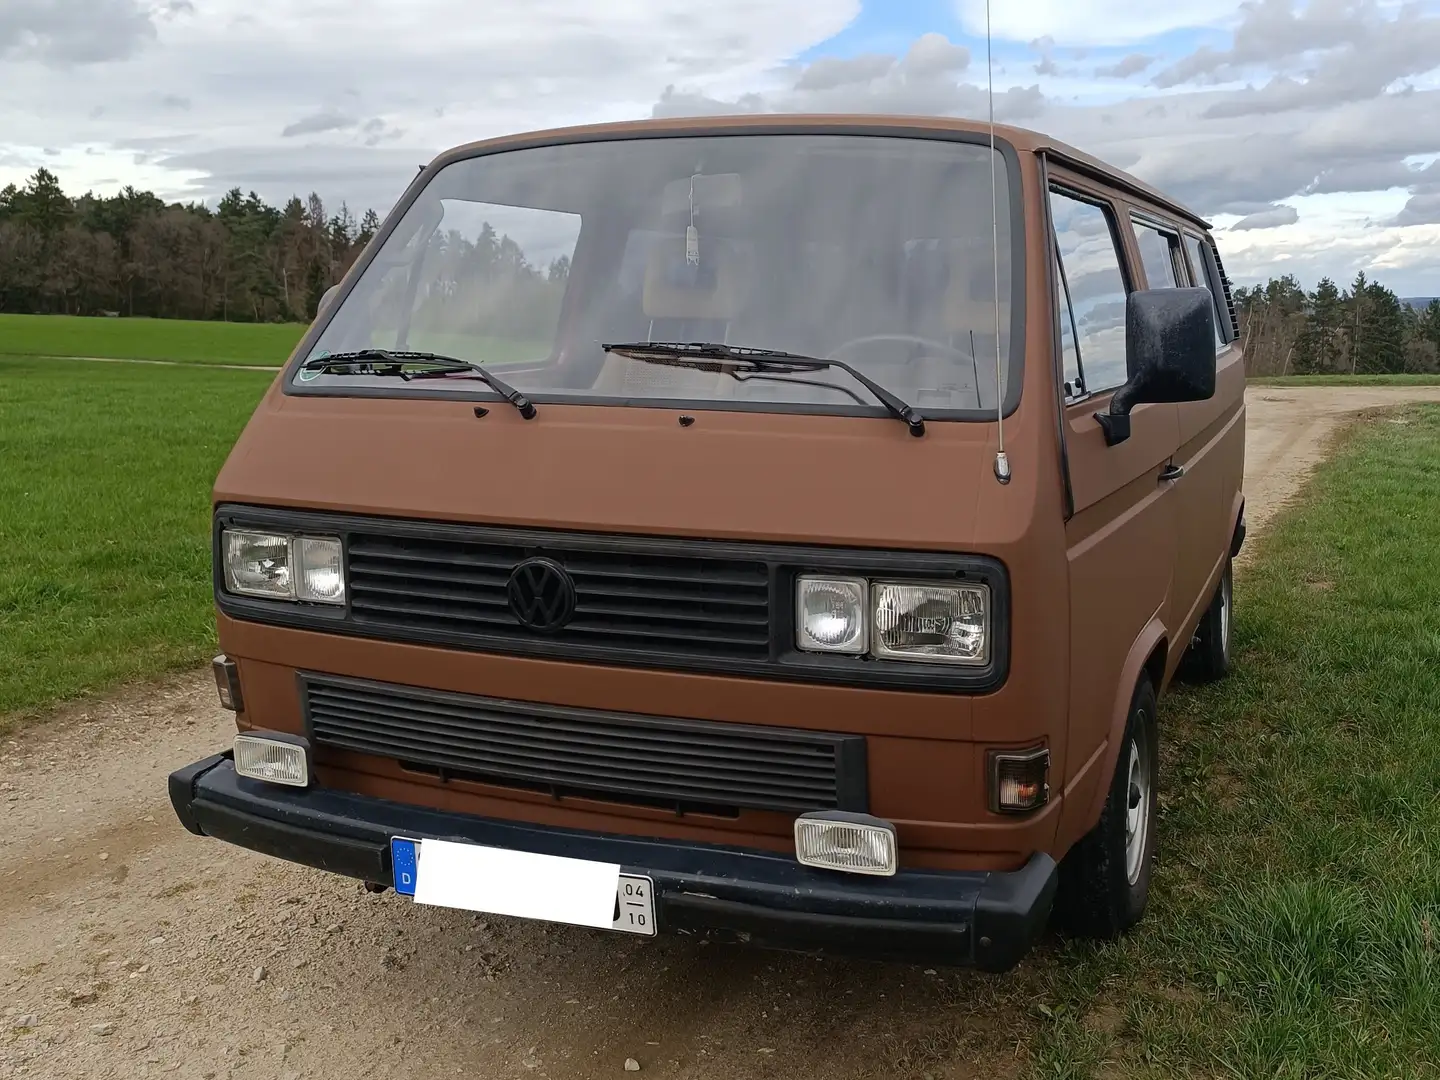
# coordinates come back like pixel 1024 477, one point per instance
pixel 104 521
pixel 1295 920
pixel 1345 380
pixel 267 344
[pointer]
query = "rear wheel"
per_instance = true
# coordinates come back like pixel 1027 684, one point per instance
pixel 1105 877
pixel 1208 657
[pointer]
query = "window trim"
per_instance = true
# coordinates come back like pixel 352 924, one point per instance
pixel 1107 206
pixel 1179 261
pixel 1219 297
pixel 1015 182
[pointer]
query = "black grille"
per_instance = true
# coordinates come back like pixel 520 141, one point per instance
pixel 682 764
pixel 623 600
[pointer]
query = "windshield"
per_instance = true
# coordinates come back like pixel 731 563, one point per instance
pixel 878 251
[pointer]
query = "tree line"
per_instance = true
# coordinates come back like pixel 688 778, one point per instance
pixel 1364 330
pixel 247 261
pixel 134 254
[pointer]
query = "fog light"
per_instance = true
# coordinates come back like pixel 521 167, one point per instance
pixel 227 683
pixel 1019 781
pixel 852 843
pixel 273 756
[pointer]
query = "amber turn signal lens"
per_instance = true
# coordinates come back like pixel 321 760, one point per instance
pixel 227 683
pixel 1019 781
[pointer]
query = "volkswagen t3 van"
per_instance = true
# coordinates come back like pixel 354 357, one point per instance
pixel 780 528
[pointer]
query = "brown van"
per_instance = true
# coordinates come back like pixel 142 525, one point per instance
pixel 775 527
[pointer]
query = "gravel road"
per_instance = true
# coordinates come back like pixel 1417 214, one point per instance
pixel 129 948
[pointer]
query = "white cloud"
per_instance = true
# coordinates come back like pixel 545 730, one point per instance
pixel 1091 22
pixel 1272 217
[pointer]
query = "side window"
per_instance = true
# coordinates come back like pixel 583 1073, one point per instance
pixel 1159 252
pixel 1200 266
pixel 1074 377
pixel 1091 268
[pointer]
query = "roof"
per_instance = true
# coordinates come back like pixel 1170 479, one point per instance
pixel 1022 139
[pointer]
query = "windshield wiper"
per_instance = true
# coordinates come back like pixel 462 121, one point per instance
pixel 399 362
pixel 732 359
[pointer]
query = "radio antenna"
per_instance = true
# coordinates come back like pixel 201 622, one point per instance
pixel 1002 462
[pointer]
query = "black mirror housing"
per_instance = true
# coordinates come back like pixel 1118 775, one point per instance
pixel 1169 354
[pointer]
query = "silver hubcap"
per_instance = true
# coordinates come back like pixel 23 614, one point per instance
pixel 1137 805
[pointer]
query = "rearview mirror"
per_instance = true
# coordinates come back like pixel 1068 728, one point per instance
pixel 1169 354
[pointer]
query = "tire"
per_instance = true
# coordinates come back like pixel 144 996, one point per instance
pixel 1105 877
pixel 1208 657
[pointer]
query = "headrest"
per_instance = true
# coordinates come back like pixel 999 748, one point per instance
pixel 675 289
pixel 970 297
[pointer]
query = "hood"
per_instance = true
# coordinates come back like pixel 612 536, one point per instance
pixel 864 482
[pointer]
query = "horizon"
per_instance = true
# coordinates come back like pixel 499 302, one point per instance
pixel 1303 131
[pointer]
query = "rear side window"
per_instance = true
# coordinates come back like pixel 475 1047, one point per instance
pixel 1094 283
pixel 1160 254
pixel 1204 275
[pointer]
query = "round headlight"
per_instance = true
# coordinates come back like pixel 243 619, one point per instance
pixel 831 615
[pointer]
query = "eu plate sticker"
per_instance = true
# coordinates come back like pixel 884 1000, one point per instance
pixel 405 862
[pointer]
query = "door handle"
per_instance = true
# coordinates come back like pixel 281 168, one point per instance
pixel 1171 473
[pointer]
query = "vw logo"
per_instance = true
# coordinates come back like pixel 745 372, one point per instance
pixel 541 594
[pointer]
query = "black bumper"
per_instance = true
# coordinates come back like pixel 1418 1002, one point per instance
pixel 988 920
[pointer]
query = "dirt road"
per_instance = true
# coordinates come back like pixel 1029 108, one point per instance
pixel 129 948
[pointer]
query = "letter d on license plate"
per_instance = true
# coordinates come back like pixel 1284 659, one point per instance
pixel 499 881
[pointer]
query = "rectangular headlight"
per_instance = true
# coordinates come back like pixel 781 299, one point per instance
pixel 281 567
pixel 319 570
pixel 273 756
pixel 850 843
pixel 830 615
pixel 258 564
pixel 948 624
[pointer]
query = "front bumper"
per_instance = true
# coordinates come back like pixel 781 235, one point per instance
pixel 988 920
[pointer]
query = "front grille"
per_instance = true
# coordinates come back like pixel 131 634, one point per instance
pixel 679 764
pixel 628 601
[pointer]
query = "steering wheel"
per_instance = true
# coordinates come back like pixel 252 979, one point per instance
pixel 913 339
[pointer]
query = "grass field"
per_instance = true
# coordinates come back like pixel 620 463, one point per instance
pixel 104 520
pixel 267 344
pixel 1295 920
pixel 1345 380
pixel 182 341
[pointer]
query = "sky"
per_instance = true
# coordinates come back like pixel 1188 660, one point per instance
pixel 1307 131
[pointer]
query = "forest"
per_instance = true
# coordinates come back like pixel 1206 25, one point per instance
pixel 244 260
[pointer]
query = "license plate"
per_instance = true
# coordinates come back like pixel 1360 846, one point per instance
pixel 498 881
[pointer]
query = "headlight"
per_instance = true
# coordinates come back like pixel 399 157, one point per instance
pixel 281 567
pixel 830 615
pixel 944 623
pixel 258 564
pixel 894 620
pixel 319 570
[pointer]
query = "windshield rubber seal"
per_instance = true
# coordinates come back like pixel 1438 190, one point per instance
pixel 290 386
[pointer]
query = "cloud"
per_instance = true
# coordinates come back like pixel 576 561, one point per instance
pixel 831 71
pixel 1272 218
pixel 175 101
pixel 315 123
pixel 1130 65
pixel 69 32
pixel 1088 22
pixel 1423 209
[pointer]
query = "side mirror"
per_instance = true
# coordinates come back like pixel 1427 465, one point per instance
pixel 325 298
pixel 1169 354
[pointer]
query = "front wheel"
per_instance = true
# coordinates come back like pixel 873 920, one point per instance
pixel 1105 877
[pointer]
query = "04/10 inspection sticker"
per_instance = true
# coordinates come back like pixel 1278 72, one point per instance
pixel 500 881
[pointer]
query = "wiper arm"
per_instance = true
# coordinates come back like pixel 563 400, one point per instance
pixel 731 359
pixel 434 365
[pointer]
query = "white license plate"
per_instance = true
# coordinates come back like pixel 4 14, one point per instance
pixel 498 881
